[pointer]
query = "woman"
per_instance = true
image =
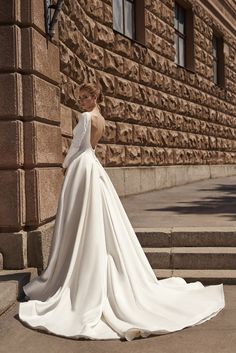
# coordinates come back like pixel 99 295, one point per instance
pixel 99 283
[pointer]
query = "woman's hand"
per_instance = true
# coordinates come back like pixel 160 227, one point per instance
pixel 64 170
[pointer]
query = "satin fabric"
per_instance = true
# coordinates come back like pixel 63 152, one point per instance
pixel 99 283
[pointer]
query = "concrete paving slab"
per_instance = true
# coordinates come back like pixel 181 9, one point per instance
pixel 217 335
pixel 207 203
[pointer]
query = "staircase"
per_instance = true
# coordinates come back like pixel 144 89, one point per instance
pixel 11 284
pixel 195 254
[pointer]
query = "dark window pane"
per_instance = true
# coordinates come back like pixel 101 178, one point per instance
pixel 215 47
pixel 176 16
pixel 215 71
pixel 181 51
pixel 129 19
pixel 181 20
pixel 176 46
pixel 118 15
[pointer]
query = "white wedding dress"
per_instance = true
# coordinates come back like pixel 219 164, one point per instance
pixel 99 283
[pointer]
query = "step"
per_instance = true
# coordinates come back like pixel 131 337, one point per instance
pixel 11 284
pixel 192 258
pixel 207 277
pixel 184 237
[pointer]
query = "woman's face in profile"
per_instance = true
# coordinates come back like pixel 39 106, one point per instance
pixel 86 100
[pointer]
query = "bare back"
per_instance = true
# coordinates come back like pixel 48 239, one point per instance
pixel 97 128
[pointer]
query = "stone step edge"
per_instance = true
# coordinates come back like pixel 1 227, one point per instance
pixel 183 237
pixel 204 276
pixel 191 250
pixel 11 284
pixel 185 229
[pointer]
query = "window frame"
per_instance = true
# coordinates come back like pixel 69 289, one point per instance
pixel 138 13
pixel 189 53
pixel 218 59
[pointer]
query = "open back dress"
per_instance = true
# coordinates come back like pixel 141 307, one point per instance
pixel 98 283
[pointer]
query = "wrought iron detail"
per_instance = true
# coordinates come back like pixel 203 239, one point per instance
pixel 51 15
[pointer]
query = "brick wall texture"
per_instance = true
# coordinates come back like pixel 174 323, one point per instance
pixel 156 113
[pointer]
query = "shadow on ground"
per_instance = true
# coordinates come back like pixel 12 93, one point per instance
pixel 224 204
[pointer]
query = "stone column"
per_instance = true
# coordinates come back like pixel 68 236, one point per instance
pixel 30 134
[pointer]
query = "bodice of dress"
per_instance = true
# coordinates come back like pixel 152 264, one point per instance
pixel 81 138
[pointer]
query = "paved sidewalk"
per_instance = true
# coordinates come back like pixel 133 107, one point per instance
pixel 207 203
pixel 217 335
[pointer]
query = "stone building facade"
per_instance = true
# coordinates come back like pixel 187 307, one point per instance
pixel 165 124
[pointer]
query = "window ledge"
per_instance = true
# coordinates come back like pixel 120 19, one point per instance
pixel 131 39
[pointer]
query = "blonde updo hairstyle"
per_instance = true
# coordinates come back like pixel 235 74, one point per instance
pixel 94 89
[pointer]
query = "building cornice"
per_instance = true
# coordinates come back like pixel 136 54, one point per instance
pixel 224 11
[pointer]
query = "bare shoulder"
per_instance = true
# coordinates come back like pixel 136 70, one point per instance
pixel 98 121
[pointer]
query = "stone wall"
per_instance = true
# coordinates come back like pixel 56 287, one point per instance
pixel 156 113
pixel 30 134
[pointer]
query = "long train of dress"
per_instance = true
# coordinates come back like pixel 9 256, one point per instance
pixel 99 283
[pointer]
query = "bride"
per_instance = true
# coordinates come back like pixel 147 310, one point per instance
pixel 98 283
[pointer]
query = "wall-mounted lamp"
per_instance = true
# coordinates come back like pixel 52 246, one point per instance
pixel 50 20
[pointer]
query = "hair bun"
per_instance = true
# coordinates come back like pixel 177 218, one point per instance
pixel 93 89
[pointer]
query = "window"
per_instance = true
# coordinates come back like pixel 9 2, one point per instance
pixel 218 60
pixel 184 35
pixel 179 35
pixel 128 19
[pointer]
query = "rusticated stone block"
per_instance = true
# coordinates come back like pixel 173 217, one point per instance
pixel 122 45
pixel 138 53
pixel 32 14
pixel 95 9
pixel 9 50
pixel 148 156
pixel 42 143
pixel 101 153
pixel 124 133
pixel 115 109
pixel 140 135
pixel 131 69
pixel 139 93
pixel 10 11
pixel 152 96
pixel 38 54
pixel 147 76
pixel 71 65
pixel 41 98
pixel 10 95
pixel 11 144
pixel 38 245
pixel 109 134
pixel 43 187
pixel 182 140
pixel 96 57
pixel 158 118
pixel 107 82
pixel 160 156
pixel 12 196
pixel 13 246
pixel 69 32
pixel 108 17
pixel 192 141
pixel 169 155
pixel 134 112
pixel 104 36
pixel 114 63
pixel 152 135
pixel 132 155
pixel 69 92
pixel 179 156
pixel 66 120
pixel 88 28
pixel 123 88
pixel 115 155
